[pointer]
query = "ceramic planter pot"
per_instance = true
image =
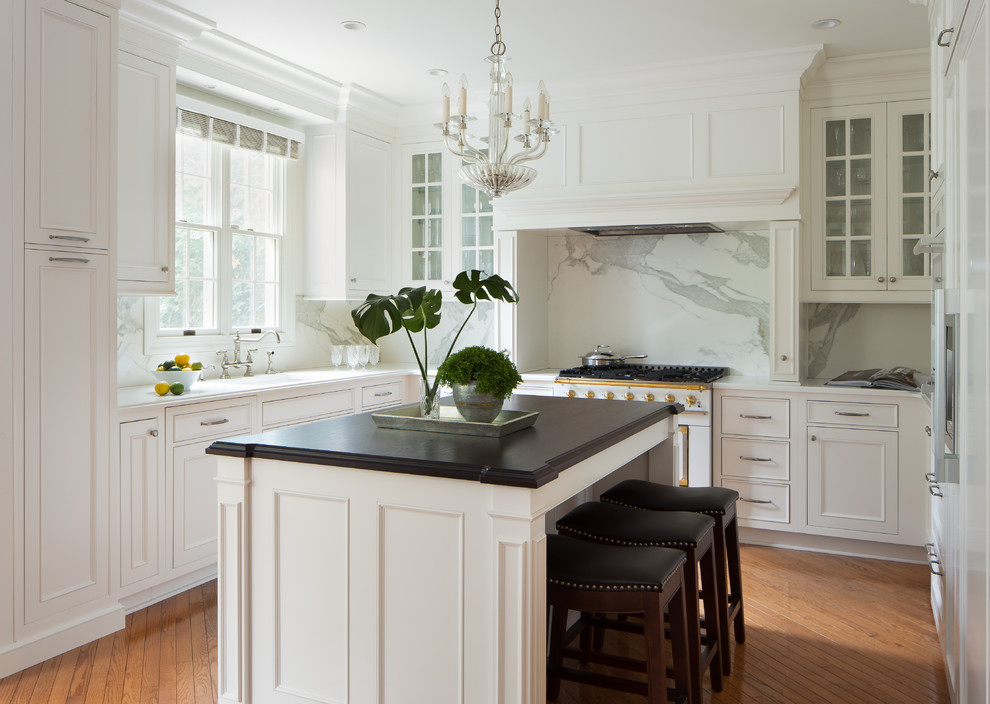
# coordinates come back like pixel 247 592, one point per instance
pixel 475 407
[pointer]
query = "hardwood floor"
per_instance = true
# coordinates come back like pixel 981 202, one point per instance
pixel 821 629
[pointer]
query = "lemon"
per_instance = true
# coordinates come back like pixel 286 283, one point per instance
pixel 162 388
pixel 177 388
pixel 182 360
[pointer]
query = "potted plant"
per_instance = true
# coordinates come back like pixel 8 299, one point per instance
pixel 418 310
pixel 481 379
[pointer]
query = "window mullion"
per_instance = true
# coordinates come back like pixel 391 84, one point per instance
pixel 224 246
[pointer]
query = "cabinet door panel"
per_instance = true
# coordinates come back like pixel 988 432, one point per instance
pixel 369 210
pixel 145 175
pixel 66 454
pixel 67 126
pixel 852 479
pixel 193 510
pixel 139 474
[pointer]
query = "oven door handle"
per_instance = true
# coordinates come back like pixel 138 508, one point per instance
pixel 683 448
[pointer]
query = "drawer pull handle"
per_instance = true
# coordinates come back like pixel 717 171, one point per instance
pixel 930 549
pixel 383 393
pixel 70 260
pixel 930 476
pixel 931 566
pixel 752 417
pixel 935 490
pixel 756 501
pixel 851 413
pixel 948 42
pixel 756 459
pixel 215 422
pixel 71 238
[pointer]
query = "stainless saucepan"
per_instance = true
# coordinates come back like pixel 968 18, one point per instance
pixel 603 356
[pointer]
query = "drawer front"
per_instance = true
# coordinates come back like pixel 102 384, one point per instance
pixel 756 459
pixel 874 415
pixel 762 417
pixel 210 420
pixel 388 394
pixel 291 410
pixel 762 502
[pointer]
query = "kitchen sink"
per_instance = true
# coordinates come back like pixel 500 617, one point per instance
pixel 279 379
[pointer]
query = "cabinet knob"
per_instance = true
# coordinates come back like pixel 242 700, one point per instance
pixel 881 279
pixel 783 358
pixel 164 269
pixel 928 430
pixel 153 432
pixel 941 34
pixel 813 438
pixel 353 279
pixel 932 175
pixel 893 279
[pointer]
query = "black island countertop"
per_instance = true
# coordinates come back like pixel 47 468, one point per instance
pixel 566 432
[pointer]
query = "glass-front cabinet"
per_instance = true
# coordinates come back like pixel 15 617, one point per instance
pixel 870 196
pixel 446 224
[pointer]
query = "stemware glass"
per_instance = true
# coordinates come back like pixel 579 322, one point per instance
pixel 364 353
pixel 374 355
pixel 336 355
pixel 352 356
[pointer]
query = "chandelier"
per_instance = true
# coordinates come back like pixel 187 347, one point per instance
pixel 491 168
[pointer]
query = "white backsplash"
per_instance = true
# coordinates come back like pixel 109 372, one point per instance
pixel 681 299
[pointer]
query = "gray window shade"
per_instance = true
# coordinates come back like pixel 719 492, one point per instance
pixel 213 128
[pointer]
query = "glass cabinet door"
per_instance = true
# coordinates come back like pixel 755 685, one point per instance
pixel 426 215
pixel 477 236
pixel 909 147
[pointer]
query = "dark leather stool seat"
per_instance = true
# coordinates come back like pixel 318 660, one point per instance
pixel 690 532
pixel 720 504
pixel 594 578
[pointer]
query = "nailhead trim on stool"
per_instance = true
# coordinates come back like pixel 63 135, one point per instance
pixel 691 532
pixel 609 579
pixel 720 504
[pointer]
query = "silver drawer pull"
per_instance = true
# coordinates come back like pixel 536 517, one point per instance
pixel 383 393
pixel 71 238
pixel 70 260
pixel 930 476
pixel 756 501
pixel 215 422
pixel 752 417
pixel 756 459
pixel 930 549
pixel 850 413
pixel 935 490
pixel 937 572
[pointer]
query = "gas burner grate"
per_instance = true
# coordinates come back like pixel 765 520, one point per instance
pixel 647 373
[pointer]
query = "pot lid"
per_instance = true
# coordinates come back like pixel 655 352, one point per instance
pixel 601 352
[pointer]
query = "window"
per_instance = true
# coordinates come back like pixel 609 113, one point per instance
pixel 229 232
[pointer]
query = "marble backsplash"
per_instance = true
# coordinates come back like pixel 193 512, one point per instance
pixel 680 299
pixel 318 326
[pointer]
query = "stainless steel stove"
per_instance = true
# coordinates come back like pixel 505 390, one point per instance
pixel 689 386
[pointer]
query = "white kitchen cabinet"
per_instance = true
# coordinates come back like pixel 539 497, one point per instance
pixel 447 226
pixel 68 125
pixel 785 319
pixel 140 499
pixel 852 479
pixel 65 481
pixel 348 215
pixel 146 175
pixel 869 203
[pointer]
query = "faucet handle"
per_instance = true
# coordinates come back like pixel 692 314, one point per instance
pixel 224 353
pixel 271 369
pixel 249 360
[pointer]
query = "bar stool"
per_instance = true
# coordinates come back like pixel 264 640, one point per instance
pixel 594 578
pixel 689 532
pixel 720 504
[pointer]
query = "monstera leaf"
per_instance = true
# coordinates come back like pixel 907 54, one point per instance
pixel 377 317
pixel 470 288
pixel 420 308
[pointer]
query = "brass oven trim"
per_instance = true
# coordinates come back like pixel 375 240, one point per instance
pixel 639 384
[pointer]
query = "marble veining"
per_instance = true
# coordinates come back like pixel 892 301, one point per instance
pixel 824 321
pixel 681 299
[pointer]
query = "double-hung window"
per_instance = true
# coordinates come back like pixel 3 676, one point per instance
pixel 230 231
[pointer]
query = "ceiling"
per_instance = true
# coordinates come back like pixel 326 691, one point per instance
pixel 546 38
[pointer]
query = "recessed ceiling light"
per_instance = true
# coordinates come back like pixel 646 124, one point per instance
pixel 210 87
pixel 829 23
pixel 277 109
pixel 437 72
pixel 353 25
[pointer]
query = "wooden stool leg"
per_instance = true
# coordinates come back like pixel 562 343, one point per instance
pixel 722 588
pixel 713 630
pixel 680 644
pixel 558 624
pixel 693 623
pixel 656 661
pixel 735 577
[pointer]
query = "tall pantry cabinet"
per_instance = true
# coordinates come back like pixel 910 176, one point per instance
pixel 61 97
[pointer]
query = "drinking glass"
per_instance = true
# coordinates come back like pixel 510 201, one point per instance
pixel 352 356
pixel 364 353
pixel 336 355
pixel 374 355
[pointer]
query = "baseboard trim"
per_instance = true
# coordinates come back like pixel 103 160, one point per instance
pixel 834 546
pixel 41 647
pixel 161 592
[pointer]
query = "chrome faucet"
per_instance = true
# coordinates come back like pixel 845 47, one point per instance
pixel 246 363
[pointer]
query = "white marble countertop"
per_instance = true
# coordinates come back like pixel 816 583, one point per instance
pixel 754 383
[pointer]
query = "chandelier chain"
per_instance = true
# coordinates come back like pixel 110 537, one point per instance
pixel 498 46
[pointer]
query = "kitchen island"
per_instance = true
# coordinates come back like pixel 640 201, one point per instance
pixel 362 565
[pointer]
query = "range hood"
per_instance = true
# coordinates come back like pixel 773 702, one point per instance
pixel 691 228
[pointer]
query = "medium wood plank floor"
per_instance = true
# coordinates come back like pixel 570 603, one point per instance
pixel 821 629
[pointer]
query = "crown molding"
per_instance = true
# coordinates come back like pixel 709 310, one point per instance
pixel 164 20
pixel 887 76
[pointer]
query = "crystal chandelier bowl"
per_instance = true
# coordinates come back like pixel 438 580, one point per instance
pixel 496 179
